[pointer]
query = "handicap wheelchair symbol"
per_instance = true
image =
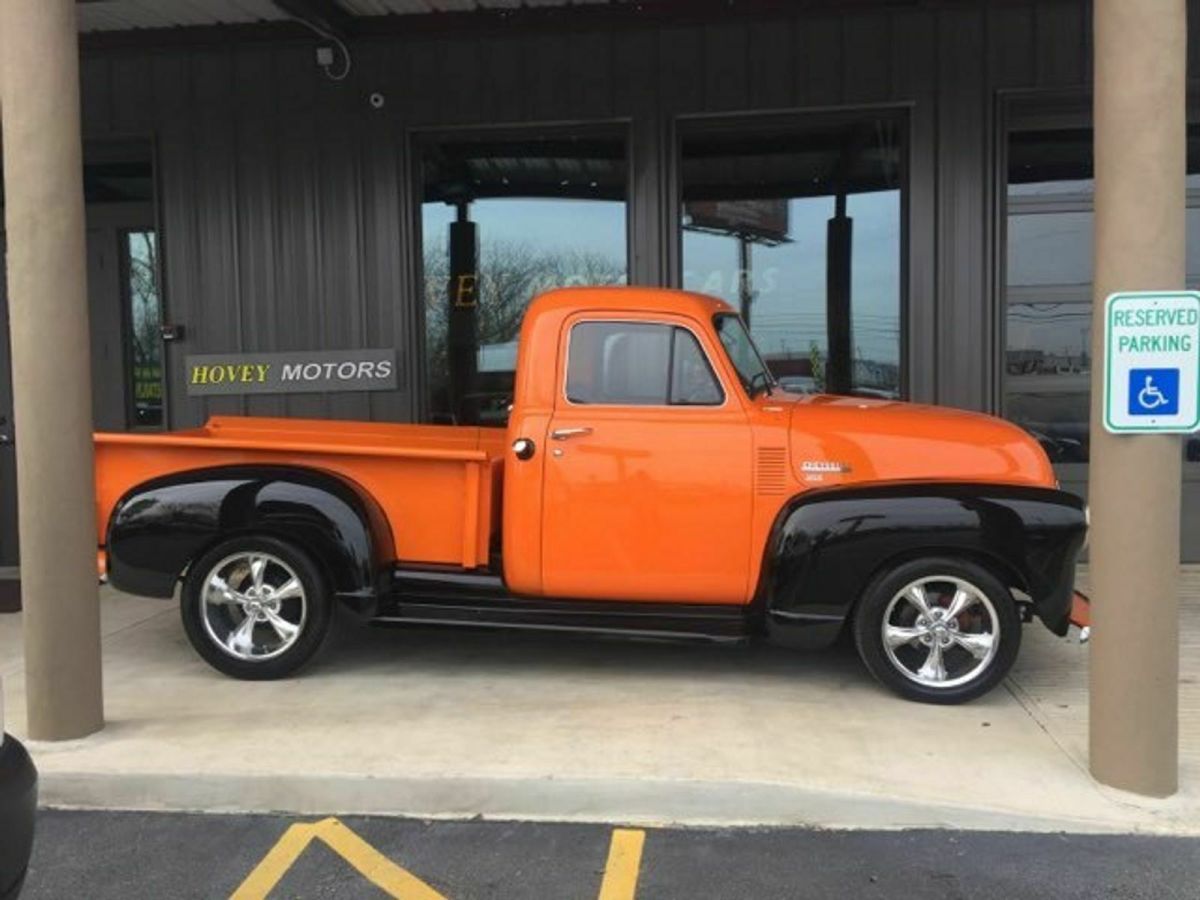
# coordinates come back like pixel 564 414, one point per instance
pixel 1150 397
pixel 1153 392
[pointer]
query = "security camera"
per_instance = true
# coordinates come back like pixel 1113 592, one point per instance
pixel 377 100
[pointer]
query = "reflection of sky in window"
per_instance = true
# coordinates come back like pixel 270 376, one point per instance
pixel 549 239
pixel 1055 248
pixel 1050 259
pixel 1050 248
pixel 788 312
pixel 1053 328
pixel 1071 187
pixel 557 224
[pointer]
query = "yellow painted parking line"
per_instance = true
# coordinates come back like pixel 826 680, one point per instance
pixel 375 867
pixel 620 872
pixel 278 860
pixel 624 863
pixel 396 881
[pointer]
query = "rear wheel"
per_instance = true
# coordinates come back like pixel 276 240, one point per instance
pixel 938 630
pixel 255 607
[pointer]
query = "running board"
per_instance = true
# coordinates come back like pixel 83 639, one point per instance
pixel 480 600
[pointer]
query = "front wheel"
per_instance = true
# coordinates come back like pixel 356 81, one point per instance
pixel 938 630
pixel 256 608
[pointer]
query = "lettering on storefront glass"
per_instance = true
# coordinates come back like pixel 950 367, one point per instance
pixel 464 293
pixel 291 373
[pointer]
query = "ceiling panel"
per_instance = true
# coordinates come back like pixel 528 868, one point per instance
pixel 123 15
pixel 127 15
pixel 410 7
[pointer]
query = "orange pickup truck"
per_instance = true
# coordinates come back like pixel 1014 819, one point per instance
pixel 653 480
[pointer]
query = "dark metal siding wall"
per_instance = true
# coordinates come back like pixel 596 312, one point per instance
pixel 288 217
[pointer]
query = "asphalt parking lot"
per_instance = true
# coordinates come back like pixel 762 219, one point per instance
pixel 102 855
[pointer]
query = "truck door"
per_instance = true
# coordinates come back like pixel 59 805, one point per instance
pixel 647 492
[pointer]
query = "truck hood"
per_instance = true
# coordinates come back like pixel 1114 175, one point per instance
pixel 849 439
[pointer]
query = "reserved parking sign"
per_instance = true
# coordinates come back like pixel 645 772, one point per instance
pixel 1152 362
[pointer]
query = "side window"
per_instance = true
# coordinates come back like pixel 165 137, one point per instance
pixel 638 364
pixel 692 380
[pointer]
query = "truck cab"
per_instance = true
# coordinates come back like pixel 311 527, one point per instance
pixel 661 450
pixel 653 478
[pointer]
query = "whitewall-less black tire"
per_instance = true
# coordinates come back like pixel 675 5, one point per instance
pixel 938 630
pixel 255 608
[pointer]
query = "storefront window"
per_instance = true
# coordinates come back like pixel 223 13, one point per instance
pixel 502 221
pixel 1048 284
pixel 799 228
pixel 145 328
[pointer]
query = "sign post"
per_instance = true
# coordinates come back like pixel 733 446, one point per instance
pixel 1152 362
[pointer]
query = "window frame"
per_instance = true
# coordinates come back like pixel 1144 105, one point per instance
pixel 1022 110
pixel 417 139
pixel 672 324
pixel 722 124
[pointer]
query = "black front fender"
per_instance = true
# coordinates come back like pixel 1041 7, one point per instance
pixel 828 545
pixel 159 527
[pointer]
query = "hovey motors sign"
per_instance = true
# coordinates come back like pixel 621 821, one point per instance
pixel 291 373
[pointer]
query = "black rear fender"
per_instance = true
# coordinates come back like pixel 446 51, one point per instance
pixel 827 546
pixel 160 526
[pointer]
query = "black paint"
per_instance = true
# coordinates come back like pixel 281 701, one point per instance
pixel 162 525
pixel 827 546
pixel 437 596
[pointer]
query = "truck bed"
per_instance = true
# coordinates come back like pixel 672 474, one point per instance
pixel 439 486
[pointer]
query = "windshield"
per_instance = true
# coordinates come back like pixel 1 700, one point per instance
pixel 739 347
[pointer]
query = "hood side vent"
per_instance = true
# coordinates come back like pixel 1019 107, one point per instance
pixel 771 472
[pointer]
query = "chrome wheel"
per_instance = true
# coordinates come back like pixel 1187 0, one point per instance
pixel 253 606
pixel 940 631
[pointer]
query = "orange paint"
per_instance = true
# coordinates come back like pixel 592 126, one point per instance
pixel 663 503
pixel 1081 610
pixel 421 475
pixel 676 503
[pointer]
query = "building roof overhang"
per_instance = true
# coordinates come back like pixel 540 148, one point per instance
pixel 118 23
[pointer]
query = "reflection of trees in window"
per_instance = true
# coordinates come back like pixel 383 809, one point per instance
pixel 504 217
pixel 511 273
pixel 145 322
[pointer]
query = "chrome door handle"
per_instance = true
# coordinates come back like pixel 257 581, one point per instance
pixel 561 434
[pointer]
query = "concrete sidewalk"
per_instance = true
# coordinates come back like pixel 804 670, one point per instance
pixel 457 724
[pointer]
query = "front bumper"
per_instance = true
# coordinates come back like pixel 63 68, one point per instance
pixel 18 801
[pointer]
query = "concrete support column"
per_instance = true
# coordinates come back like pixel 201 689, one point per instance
pixel 1140 122
pixel 52 391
